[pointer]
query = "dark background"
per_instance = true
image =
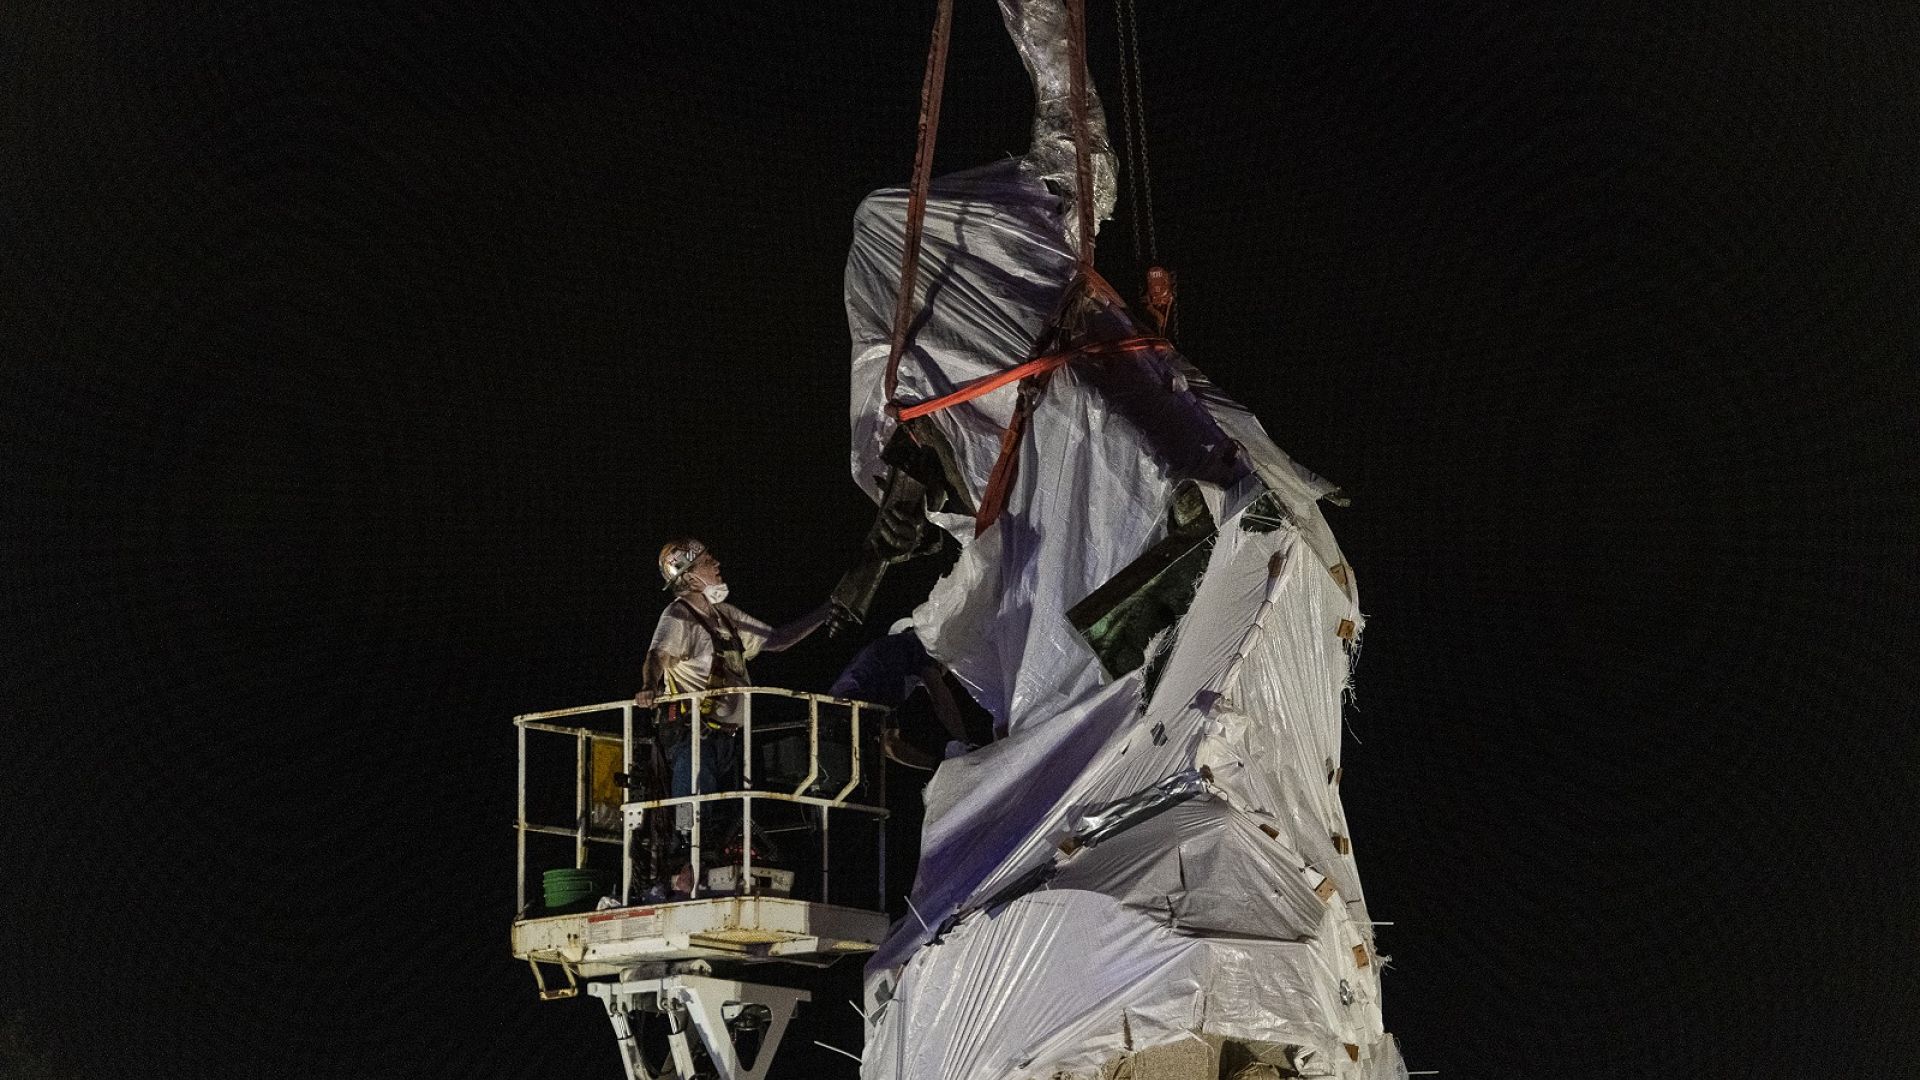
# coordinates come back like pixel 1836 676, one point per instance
pixel 355 360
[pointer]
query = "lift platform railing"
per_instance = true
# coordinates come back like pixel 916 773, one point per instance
pixel 580 829
pixel 724 713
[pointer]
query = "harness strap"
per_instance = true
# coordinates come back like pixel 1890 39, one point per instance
pixel 736 662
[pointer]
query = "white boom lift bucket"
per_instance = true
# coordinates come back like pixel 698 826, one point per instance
pixel 656 950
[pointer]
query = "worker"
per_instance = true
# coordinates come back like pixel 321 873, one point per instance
pixel 703 643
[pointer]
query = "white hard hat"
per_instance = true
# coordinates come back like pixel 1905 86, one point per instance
pixel 676 557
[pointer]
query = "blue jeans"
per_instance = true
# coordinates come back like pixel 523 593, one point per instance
pixel 719 754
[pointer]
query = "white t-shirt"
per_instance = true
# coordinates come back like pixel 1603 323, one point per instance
pixel 682 638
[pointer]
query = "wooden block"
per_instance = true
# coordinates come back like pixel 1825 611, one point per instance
pixel 1272 833
pixel 1360 958
pixel 1345 630
pixel 1342 845
pixel 1188 1059
pixel 1339 572
pixel 1324 890
pixel 1334 776
pixel 1068 845
pixel 1353 1052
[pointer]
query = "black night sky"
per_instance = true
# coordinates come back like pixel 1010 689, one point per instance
pixel 355 358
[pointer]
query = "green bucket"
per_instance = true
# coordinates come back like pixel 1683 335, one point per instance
pixel 567 888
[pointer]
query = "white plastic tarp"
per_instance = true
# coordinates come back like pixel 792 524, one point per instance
pixel 1085 890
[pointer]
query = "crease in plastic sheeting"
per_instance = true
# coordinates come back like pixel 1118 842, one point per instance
pixel 1176 424
pixel 1129 760
pixel 1298 487
pixel 986 792
pixel 1116 770
pixel 1114 818
pixel 1301 488
pixel 994 263
pixel 1091 499
pixel 1060 961
pixel 1237 987
pixel 1039 31
pixel 985 808
pixel 1247 975
pixel 1128 619
pixel 1239 571
pixel 1384 1061
pixel 1280 570
pixel 1238 880
pixel 1293 679
pixel 1203 644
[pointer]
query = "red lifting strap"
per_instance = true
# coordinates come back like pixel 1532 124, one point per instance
pixel 1036 366
pixel 930 88
pixel 1035 373
pixel 1006 467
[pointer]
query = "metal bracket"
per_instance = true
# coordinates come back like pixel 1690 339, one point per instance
pixel 572 989
pixel 715 1027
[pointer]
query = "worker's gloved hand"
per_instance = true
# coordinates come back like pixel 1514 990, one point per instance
pixel 840 619
pixel 898 530
pixel 644 699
